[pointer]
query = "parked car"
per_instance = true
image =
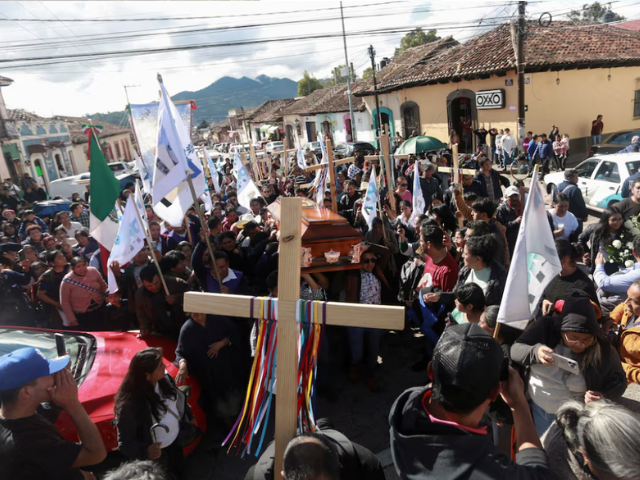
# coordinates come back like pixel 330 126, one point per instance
pixel 272 147
pixel 349 149
pixel 66 187
pixel 600 178
pixel 99 362
pixel 238 148
pixel 614 143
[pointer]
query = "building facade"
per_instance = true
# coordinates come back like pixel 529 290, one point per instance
pixel 574 72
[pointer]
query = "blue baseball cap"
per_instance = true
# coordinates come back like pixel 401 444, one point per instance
pixel 26 364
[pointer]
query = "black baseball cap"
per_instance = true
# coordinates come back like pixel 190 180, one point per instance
pixel 469 359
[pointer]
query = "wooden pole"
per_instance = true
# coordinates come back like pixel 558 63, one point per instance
pixel 287 361
pixel 150 243
pixel 332 177
pixel 204 227
pixel 456 164
pixel 186 223
pixel 384 141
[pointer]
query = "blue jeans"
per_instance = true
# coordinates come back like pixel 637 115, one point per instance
pixel 493 154
pixel 541 419
pixel 596 139
pixel 358 338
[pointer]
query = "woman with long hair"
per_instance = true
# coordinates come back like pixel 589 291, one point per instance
pixel 598 440
pixel 149 396
pixel 547 343
pixel 402 185
pixel 445 218
pixel 597 236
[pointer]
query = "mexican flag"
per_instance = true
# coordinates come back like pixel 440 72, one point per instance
pixel 104 188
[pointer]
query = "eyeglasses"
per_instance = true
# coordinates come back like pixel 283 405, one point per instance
pixel 404 185
pixel 369 260
pixel 575 341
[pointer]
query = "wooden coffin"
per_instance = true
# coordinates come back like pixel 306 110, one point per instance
pixel 322 231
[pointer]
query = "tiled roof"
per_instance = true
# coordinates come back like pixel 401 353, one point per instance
pixel 19 114
pixel 563 45
pixel 325 100
pixel 630 25
pixel 75 128
pixel 269 111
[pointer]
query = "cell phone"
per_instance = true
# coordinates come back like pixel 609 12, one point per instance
pixel 566 364
pixel 60 346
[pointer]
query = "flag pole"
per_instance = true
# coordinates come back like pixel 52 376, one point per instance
pixel 197 208
pixel 148 239
pixel 496 331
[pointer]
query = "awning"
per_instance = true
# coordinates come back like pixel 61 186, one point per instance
pixel 265 128
pixel 272 129
pixel 57 144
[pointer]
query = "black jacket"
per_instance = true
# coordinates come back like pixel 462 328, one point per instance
pixel 608 379
pixel 495 178
pixel 356 462
pixel 134 430
pixel 576 200
pixel 507 217
pixel 497 281
pixel 422 449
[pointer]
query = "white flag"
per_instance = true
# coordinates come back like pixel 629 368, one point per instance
pixel 141 207
pixel 417 201
pixel 175 155
pixel 301 161
pixel 247 190
pixel 321 185
pixel 215 179
pixel 144 174
pixel 129 241
pixel 535 253
pixel 370 203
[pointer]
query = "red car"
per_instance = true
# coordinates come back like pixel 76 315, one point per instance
pixel 99 362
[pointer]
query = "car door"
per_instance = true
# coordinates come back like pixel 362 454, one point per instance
pixel 586 172
pixel 605 183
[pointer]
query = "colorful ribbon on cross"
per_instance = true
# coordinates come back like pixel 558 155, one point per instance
pixel 311 319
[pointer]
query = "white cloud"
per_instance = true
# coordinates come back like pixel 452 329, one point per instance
pixel 86 86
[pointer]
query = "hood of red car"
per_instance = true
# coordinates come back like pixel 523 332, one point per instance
pixel 110 365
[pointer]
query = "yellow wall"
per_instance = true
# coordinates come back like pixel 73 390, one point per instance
pixel 579 98
pixel 432 100
pixel 571 105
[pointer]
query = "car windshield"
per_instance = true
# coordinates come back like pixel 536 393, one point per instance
pixel 81 347
pixel 116 167
pixel 622 138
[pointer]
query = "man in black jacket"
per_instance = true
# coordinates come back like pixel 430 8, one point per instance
pixel 507 215
pixel 436 431
pixel 576 201
pixel 328 455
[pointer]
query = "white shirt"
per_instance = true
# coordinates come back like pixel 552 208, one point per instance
pixel 508 143
pixel 569 221
pixel 71 231
pixel 170 420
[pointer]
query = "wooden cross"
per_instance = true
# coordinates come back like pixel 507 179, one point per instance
pixel 384 144
pixel 344 314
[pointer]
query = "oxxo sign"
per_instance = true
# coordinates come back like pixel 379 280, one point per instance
pixel 488 99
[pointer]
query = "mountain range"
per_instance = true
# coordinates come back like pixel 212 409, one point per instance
pixel 224 94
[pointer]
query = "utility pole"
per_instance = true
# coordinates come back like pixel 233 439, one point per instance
pixel 372 54
pixel 520 66
pixel 346 62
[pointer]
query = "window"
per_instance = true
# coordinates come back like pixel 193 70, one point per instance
pixel 585 169
pixel 633 167
pixel 608 172
pixel 118 151
pixel 636 104
pixel 622 138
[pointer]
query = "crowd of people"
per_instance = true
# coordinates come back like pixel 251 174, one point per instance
pixel 536 403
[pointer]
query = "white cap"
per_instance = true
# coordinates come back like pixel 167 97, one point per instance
pixel 512 191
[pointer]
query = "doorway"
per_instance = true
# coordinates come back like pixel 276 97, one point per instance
pixel 347 129
pixel 410 119
pixel 462 118
pixel 326 131
pixel 291 138
pixel 311 132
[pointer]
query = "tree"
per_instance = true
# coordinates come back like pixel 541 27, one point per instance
pixel 203 124
pixel 596 12
pixel 367 74
pixel 308 85
pixel 414 38
pixel 341 80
